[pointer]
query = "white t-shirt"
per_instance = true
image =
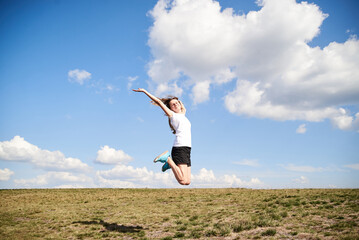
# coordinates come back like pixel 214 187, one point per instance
pixel 183 130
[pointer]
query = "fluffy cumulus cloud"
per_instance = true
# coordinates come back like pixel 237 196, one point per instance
pixel 19 150
pixel 5 174
pixel 128 177
pixel 107 155
pixel 125 176
pixel 78 76
pixel 56 179
pixel 63 172
pixel 197 44
pixel 206 178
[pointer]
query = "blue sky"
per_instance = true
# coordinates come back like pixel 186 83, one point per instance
pixel 271 89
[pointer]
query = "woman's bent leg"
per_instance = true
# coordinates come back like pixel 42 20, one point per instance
pixel 186 173
pixel 182 172
pixel 189 174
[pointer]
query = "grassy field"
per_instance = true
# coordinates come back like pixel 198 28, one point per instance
pixel 179 214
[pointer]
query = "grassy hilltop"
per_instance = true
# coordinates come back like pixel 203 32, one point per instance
pixel 179 214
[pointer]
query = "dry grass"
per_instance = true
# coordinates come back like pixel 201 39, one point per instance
pixel 179 214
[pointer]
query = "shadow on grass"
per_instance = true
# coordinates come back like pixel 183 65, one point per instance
pixel 113 226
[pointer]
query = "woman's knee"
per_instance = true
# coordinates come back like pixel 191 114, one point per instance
pixel 184 182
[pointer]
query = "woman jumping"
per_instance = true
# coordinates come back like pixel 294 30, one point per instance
pixel 180 163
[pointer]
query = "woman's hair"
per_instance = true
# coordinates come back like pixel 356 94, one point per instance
pixel 167 101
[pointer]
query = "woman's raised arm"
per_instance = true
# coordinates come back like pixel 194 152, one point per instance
pixel 183 109
pixel 167 111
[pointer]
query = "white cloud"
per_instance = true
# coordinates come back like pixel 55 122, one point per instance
pixel 128 176
pixel 346 122
pixel 110 87
pixel 279 76
pixel 301 180
pixel 301 129
pixel 78 76
pixel 18 149
pixel 201 92
pixel 169 88
pixel 206 178
pixel 5 174
pixel 102 87
pixel 39 181
pixel 114 183
pixel 353 166
pixel 56 179
pixel 107 155
pixel 120 175
pixel 248 162
pixel 130 81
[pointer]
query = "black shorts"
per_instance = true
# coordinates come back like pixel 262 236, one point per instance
pixel 181 155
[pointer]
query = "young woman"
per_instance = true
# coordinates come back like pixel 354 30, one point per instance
pixel 180 163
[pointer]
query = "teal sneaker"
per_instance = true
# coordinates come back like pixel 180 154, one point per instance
pixel 162 157
pixel 165 167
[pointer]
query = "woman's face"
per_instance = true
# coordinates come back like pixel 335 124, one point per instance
pixel 175 106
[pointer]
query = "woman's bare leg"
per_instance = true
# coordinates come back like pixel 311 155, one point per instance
pixel 189 174
pixel 182 172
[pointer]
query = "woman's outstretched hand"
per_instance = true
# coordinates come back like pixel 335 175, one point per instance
pixel 139 90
